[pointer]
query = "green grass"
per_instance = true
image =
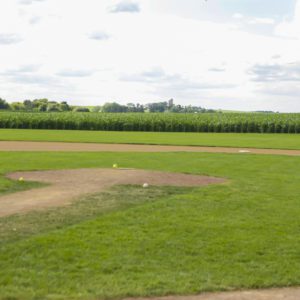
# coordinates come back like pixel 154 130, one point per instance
pixel 242 234
pixel 251 140
pixel 18 227
pixel 9 186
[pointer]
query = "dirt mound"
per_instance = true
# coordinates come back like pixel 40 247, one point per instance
pixel 67 185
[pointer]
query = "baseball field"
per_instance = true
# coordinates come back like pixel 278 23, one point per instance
pixel 83 224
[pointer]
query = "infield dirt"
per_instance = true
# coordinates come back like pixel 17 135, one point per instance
pixel 93 147
pixel 66 186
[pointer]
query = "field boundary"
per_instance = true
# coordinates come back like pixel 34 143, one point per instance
pixel 146 144
pixel 97 147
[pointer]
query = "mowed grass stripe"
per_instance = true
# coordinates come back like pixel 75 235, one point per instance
pixel 249 140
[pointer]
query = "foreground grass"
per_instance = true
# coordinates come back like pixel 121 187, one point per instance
pixel 243 234
pixel 251 140
pixel 18 227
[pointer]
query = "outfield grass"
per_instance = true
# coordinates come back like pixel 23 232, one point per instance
pixel 242 234
pixel 251 140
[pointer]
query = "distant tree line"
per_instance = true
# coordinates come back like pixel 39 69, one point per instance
pixel 44 105
pixel 38 105
pixel 157 107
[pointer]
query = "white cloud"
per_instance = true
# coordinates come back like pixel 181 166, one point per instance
pixel 264 21
pixel 291 28
pixel 99 36
pixel 125 6
pixel 9 38
pixel 238 16
pixel 145 56
pixel 27 2
pixel 22 69
pixel 34 20
pixel 75 73
pixel 276 72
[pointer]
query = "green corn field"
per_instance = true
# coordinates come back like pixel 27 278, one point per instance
pixel 167 122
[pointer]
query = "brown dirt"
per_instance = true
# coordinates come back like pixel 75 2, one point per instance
pixel 91 147
pixel 271 294
pixel 67 185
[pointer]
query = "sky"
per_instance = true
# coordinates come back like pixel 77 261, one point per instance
pixel 220 54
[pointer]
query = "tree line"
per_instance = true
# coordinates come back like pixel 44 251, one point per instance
pixel 45 105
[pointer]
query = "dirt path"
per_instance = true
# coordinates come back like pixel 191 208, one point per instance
pixel 270 294
pixel 90 147
pixel 67 185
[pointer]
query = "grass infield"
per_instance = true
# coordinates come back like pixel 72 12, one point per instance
pixel 128 242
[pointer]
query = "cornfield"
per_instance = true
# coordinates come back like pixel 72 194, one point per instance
pixel 168 122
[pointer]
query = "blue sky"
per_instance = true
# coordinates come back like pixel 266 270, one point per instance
pixel 229 54
pixel 259 8
pixel 224 9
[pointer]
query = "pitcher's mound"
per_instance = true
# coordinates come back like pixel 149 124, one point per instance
pixel 67 185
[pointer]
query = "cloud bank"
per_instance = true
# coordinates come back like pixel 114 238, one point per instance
pixel 215 54
pixel 125 6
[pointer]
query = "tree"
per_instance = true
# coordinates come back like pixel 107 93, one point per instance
pixel 42 107
pixel 17 106
pixel 131 107
pixel 81 109
pixel 157 107
pixel 96 109
pixel 64 106
pixel 3 104
pixel 52 107
pixel 176 109
pixel 140 108
pixel 114 108
pixel 28 105
pixel 39 105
